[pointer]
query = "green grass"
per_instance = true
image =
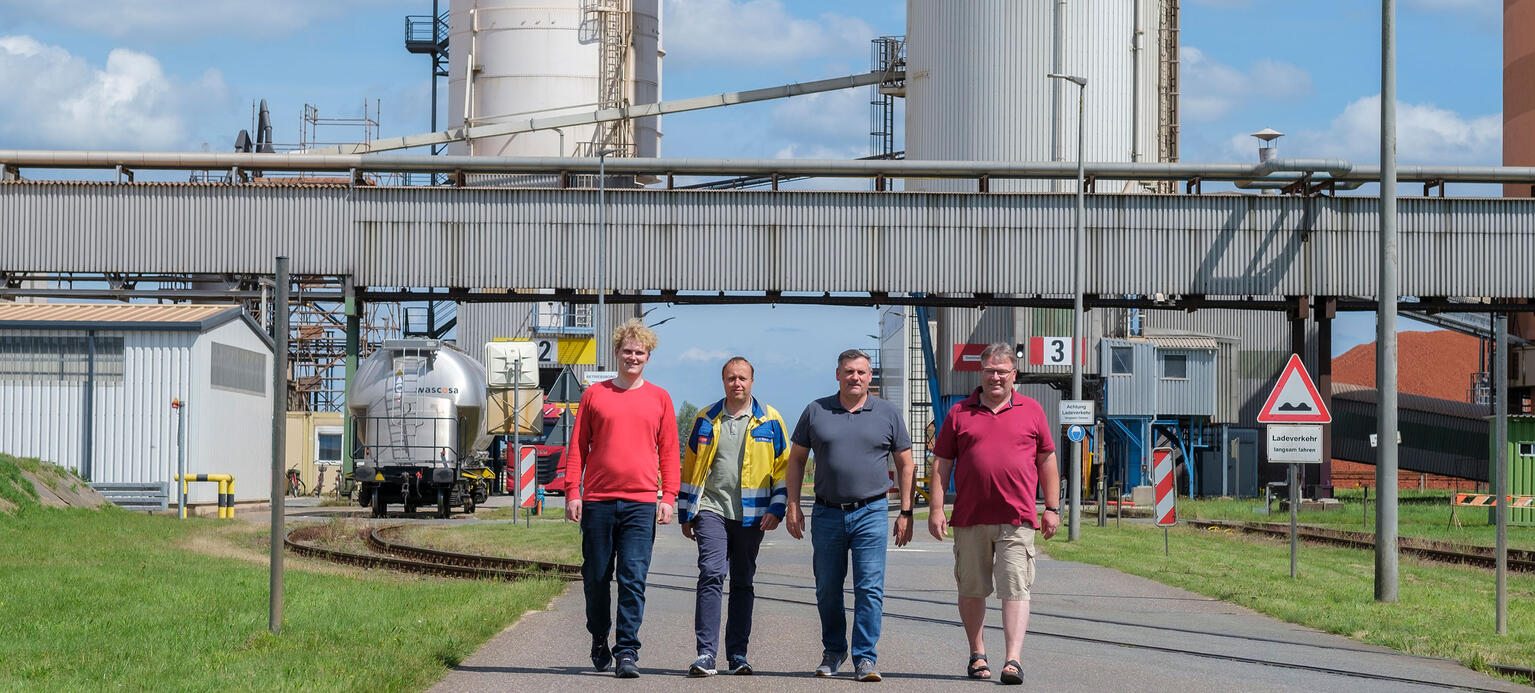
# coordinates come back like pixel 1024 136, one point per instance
pixel 1419 515
pixel 1442 611
pixel 93 600
pixel 14 488
pixel 541 540
pixel 511 513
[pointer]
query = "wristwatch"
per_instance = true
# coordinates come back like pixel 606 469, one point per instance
pixel 1049 509
pixel 907 513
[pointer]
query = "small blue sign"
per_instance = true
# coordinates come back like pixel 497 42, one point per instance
pixel 1076 434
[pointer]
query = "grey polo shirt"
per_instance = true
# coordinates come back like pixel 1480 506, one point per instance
pixel 851 449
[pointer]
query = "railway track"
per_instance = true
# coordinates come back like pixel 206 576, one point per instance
pixel 1518 560
pixel 420 560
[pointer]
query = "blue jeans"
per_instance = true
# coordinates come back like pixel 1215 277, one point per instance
pixel 835 534
pixel 724 546
pixel 616 537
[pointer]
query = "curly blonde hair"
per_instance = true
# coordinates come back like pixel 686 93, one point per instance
pixel 633 330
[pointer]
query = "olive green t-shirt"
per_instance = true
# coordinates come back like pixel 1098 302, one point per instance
pixel 722 488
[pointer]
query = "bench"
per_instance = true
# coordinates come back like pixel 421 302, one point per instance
pixel 153 495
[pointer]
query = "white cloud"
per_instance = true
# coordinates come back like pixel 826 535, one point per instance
pixel 757 33
pixel 836 118
pixel 61 100
pixel 151 19
pixel 1212 89
pixel 1426 134
pixel 703 355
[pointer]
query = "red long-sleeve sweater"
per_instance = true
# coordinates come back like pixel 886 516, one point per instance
pixel 625 442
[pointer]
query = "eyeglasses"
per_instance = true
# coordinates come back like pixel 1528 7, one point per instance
pixel 998 372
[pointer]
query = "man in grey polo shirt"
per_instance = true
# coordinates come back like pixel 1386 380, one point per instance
pixel 853 435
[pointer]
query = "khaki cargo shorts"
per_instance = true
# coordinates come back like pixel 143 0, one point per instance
pixel 994 554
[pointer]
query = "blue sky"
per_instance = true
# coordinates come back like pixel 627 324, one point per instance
pixel 182 74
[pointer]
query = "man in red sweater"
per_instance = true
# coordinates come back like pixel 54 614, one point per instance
pixel 623 456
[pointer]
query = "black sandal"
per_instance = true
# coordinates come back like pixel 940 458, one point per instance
pixel 1015 678
pixel 977 672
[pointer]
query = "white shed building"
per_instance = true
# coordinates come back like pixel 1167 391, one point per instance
pixel 89 387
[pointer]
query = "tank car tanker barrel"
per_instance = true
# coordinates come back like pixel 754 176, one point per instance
pixel 418 412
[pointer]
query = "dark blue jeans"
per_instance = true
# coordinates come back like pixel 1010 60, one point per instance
pixel 837 535
pixel 724 546
pixel 616 537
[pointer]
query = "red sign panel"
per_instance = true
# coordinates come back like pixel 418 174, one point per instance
pixel 967 357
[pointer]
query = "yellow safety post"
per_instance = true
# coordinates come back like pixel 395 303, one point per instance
pixel 226 482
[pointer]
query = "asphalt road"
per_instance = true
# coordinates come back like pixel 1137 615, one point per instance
pixel 1092 629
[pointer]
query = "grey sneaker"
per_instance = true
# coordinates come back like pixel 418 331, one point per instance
pixel 739 666
pixel 865 671
pixel 626 668
pixel 703 666
pixel 830 663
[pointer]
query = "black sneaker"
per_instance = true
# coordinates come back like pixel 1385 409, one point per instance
pixel 739 666
pixel 626 668
pixel 602 657
pixel 703 666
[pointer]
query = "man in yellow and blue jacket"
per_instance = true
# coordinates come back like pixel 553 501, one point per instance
pixel 733 466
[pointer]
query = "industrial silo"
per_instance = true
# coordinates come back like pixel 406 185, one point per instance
pixel 534 58
pixel 977 90
pixel 976 85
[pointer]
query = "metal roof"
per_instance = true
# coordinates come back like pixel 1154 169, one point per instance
pixel 1184 342
pixel 1432 405
pixel 130 316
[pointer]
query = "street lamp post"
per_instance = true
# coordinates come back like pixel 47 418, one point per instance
pixel 602 254
pixel 1078 273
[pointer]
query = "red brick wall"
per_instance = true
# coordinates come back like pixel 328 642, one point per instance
pixel 1348 475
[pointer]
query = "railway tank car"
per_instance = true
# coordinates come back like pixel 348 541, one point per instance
pixel 418 408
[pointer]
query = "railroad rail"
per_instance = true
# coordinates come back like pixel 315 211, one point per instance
pixel 1518 559
pixel 376 541
pixel 424 561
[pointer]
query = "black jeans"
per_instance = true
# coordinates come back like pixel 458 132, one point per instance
pixel 724 545
pixel 616 537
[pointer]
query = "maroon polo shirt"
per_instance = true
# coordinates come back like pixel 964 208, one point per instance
pixel 995 472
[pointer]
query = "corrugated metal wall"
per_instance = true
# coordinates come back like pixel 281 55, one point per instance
pixel 967 326
pixel 1216 245
pixel 134 427
pixel 1134 394
pixel 1192 396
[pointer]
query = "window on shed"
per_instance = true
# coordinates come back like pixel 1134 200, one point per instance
pixel 327 445
pixel 239 369
pixel 1175 366
pixel 1121 360
pixel 1527 449
pixel 58 358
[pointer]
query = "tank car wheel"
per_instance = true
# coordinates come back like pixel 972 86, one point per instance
pixel 443 496
pixel 469 504
pixel 379 507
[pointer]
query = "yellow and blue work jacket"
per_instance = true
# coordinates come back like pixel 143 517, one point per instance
pixel 764 461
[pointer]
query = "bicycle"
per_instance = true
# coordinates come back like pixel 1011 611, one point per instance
pixel 319 484
pixel 295 484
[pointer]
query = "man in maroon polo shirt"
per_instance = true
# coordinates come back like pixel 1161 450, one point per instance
pixel 998 444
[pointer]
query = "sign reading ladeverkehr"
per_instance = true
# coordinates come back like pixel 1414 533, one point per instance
pixel 1076 412
pixel 1295 443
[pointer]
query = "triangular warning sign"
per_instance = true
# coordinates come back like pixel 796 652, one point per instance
pixel 1295 398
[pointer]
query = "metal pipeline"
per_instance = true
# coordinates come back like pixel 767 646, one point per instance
pixel 1338 169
